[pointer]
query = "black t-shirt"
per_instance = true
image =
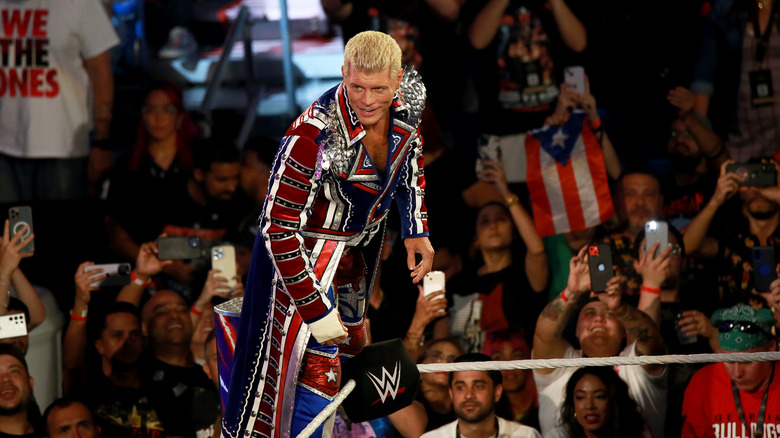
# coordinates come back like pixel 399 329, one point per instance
pixel 508 300
pixel 135 196
pixel 184 397
pixel 123 412
pixel 518 73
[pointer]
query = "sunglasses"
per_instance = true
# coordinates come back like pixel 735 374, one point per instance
pixel 745 327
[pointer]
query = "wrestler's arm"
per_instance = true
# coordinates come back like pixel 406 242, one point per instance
pixel 291 191
pixel 409 198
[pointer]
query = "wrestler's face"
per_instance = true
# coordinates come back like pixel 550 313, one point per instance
pixel 371 94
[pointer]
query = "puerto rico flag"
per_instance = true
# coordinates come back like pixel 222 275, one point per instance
pixel 566 177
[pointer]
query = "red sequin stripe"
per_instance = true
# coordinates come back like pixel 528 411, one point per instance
pixel 321 373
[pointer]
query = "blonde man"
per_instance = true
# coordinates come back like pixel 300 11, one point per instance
pixel 337 171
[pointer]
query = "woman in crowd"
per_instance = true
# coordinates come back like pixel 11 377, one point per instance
pixel 597 405
pixel 506 284
pixel 160 158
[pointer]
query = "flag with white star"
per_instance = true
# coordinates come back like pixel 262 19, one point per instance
pixel 566 177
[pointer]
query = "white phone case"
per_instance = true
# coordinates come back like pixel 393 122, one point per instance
pixel 433 282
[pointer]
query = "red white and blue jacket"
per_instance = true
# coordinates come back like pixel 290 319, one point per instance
pixel 312 211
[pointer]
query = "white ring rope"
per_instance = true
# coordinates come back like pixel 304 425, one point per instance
pixel 529 364
pixel 328 411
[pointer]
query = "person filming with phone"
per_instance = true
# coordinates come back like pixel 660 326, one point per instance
pixel 606 326
pixel 743 249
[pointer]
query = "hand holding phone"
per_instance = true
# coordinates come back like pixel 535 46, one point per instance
pixel 13 325
pixel 178 248
pixel 600 266
pixel 22 223
pixel 656 232
pixel 433 281
pixel 114 274
pixel 754 174
pixel 223 259
pixel 575 75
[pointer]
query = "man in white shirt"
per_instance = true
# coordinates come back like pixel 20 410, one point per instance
pixel 56 88
pixel 474 396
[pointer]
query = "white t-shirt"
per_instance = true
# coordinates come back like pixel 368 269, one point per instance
pixel 649 392
pixel 44 87
pixel 506 429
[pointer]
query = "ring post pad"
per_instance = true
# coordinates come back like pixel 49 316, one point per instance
pixel 386 380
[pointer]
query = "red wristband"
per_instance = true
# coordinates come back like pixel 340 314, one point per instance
pixel 651 290
pixel 134 278
pixel 596 125
pixel 195 311
pixel 564 297
pixel 82 317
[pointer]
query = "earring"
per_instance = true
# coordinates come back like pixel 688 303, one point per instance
pixel 575 415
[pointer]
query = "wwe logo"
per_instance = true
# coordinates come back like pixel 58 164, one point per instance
pixel 388 383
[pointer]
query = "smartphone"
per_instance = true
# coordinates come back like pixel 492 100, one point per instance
pixel 117 274
pixel 575 75
pixel 764 263
pixel 433 282
pixel 178 248
pixel 12 326
pixel 656 231
pixel 489 149
pixel 755 174
pixel 600 266
pixel 19 217
pixel 223 257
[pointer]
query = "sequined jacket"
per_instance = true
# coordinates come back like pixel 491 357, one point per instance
pixel 317 204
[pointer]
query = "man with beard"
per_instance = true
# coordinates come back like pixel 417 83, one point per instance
pixel 637 198
pixel 16 386
pixel 750 220
pixel 208 206
pixel 116 393
pixel 180 391
pixel 474 396
pixel 695 154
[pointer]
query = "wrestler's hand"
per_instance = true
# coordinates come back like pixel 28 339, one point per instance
pixel 422 246
pixel 336 341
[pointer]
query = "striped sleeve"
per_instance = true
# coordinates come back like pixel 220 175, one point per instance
pixel 410 194
pixel 291 192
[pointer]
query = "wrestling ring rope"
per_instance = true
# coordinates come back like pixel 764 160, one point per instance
pixel 532 364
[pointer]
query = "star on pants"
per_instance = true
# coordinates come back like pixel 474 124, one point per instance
pixel 331 375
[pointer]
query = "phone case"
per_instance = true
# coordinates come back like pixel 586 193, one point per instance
pixel 117 274
pixel 764 263
pixel 20 216
pixel 755 174
pixel 600 266
pixel 575 75
pixel 178 248
pixel 433 282
pixel 12 326
pixel 656 231
pixel 223 257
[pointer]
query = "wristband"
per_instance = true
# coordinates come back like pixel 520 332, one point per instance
pixel 137 281
pixel 651 290
pixel 82 317
pixel 564 297
pixel 195 311
pixel 511 200
pixel 596 126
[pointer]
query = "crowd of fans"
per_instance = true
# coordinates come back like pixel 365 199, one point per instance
pixel 140 359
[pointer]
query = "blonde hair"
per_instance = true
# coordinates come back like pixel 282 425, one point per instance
pixel 372 52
